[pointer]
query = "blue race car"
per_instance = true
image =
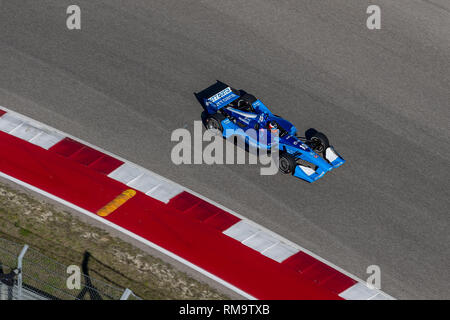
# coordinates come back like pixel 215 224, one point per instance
pixel 233 112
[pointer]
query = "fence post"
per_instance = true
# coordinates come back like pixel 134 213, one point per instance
pixel 126 294
pixel 19 266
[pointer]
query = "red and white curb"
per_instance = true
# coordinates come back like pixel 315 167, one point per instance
pixel 251 255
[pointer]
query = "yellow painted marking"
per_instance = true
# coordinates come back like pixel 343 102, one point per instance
pixel 116 203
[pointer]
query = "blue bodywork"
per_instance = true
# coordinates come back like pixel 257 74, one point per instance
pixel 224 100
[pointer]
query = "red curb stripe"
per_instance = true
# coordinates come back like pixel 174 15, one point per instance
pixel 338 283
pixel 106 164
pixel 211 215
pixel 184 201
pixel 319 272
pixel 299 261
pixel 222 221
pixel 66 147
pixel 87 156
pixel 196 208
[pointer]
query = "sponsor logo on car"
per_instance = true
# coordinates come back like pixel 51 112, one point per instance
pixel 302 146
pixel 220 95
pixel 244 120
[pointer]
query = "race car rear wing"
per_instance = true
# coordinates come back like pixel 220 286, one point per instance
pixel 217 96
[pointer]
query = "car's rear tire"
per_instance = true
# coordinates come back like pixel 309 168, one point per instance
pixel 319 142
pixel 214 122
pixel 287 163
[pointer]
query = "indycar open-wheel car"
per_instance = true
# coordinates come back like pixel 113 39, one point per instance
pixel 233 112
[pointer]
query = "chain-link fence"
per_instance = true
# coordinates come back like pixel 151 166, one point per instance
pixel 26 274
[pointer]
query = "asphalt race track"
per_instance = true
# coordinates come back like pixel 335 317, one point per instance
pixel 126 80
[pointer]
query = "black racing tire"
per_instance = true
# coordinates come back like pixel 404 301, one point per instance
pixel 287 163
pixel 320 142
pixel 214 122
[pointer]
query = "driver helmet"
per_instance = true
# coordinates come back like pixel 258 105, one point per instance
pixel 242 104
pixel 273 126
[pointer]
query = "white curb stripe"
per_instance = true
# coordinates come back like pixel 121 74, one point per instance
pixel 260 240
pixel 241 230
pixel 126 173
pixel 360 291
pixel 146 182
pixel 25 129
pixel 8 122
pixel 280 252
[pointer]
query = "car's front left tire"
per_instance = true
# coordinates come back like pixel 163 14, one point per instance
pixel 318 142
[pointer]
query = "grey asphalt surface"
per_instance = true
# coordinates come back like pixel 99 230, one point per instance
pixel 126 81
